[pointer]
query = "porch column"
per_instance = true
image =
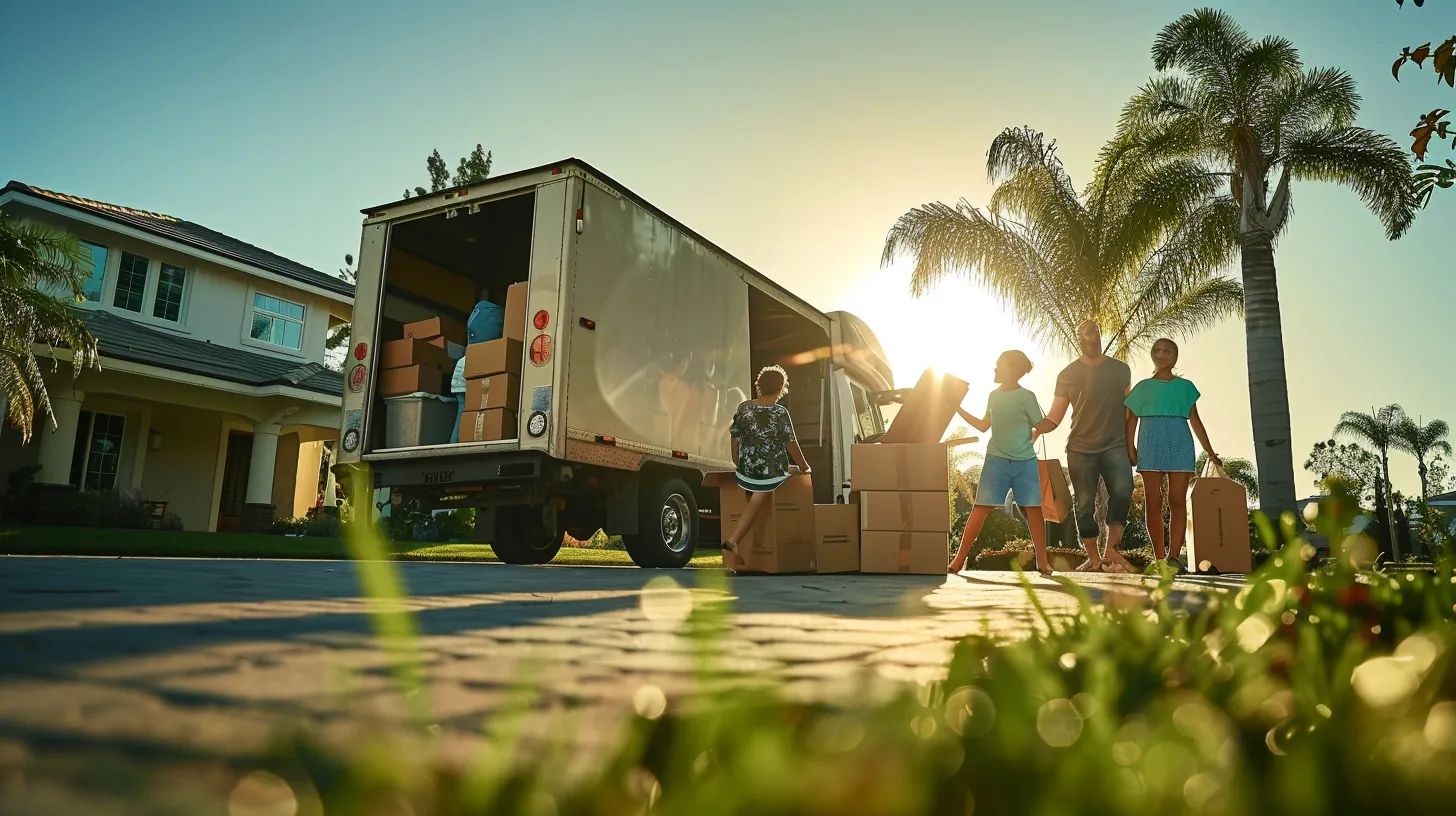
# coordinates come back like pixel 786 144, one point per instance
pixel 258 501
pixel 57 446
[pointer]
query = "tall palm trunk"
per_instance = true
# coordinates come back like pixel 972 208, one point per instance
pixel 1389 502
pixel 1268 382
pixel 1421 468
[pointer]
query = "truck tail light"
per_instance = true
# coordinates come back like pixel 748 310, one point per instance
pixel 542 318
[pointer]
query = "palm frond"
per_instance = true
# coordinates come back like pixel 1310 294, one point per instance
pixel 1196 306
pixel 1371 164
pixel 1206 43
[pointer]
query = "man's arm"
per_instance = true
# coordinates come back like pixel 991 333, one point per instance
pixel 1055 416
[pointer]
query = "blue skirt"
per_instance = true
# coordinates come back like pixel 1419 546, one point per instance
pixel 1165 445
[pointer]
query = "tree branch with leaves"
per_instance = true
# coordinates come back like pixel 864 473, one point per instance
pixel 1433 124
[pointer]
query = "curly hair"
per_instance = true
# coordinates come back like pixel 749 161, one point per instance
pixel 772 380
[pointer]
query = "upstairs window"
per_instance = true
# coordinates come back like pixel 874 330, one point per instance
pixel 167 304
pixel 277 321
pixel 131 283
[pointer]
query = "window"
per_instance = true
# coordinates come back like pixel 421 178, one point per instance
pixel 93 264
pixel 131 283
pixel 168 301
pixel 277 321
pixel 868 422
pixel 97 455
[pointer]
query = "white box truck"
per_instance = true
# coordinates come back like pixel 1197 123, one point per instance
pixel 641 339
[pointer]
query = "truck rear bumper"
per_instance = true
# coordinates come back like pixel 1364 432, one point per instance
pixel 499 466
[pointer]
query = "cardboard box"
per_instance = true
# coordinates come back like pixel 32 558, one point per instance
pixel 439 326
pixel 927 411
pixel 907 553
pixel 487 426
pixel 836 538
pixel 455 350
pixel 1219 516
pixel 420 277
pixel 925 512
pixel 782 540
pixel 411 351
pixel 515 317
pixel 398 382
pixel 501 356
pixel 900 467
pixel 496 391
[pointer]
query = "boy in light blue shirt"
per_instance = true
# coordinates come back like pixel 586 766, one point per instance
pixel 1014 419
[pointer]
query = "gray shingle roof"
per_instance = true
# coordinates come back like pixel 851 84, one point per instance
pixel 193 235
pixel 123 339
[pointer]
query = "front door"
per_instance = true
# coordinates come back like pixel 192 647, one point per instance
pixel 234 481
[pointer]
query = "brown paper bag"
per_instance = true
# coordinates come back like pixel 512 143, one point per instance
pixel 1056 494
pixel 1220 520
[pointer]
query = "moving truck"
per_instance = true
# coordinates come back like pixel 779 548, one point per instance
pixel 639 340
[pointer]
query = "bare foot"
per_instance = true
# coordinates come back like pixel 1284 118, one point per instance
pixel 1116 559
pixel 1089 565
pixel 1044 569
pixel 955 568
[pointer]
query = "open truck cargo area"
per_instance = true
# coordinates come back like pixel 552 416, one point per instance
pixel 626 345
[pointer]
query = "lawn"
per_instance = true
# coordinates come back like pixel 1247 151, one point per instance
pixel 154 543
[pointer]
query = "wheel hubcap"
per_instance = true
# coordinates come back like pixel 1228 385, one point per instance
pixel 674 522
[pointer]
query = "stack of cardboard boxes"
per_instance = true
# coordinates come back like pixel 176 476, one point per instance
pixel 414 372
pixel 492 377
pixel 898 516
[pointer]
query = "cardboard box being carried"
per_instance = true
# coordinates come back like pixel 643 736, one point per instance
pixel 904 552
pixel 928 410
pixel 495 391
pixel 515 317
pixel 501 356
pixel 913 467
pixel 413 351
pixel 487 426
pixel 1219 515
pixel 782 539
pixel 399 382
pixel 904 511
pixel 439 326
pixel 836 538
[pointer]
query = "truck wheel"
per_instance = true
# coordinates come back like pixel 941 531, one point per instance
pixel 667 527
pixel 522 537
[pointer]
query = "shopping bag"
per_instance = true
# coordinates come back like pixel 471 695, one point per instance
pixel 1056 494
pixel 1219 515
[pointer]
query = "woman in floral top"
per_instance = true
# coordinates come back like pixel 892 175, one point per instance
pixel 763 444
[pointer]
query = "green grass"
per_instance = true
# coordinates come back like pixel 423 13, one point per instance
pixel 172 544
pixel 1310 691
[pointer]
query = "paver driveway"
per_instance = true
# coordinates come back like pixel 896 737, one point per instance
pixel 177 658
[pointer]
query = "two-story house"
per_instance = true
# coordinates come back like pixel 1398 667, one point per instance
pixel 212 395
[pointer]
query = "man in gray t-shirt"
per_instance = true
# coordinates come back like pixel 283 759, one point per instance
pixel 1094 387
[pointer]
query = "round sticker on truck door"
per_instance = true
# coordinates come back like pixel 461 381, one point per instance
pixel 356 377
pixel 540 349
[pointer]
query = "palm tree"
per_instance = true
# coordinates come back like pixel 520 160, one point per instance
pixel 1379 430
pixel 1421 441
pixel 1239 470
pixel 1137 251
pixel 34 260
pixel 1248 110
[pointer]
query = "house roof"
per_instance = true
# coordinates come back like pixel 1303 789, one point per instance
pixel 1443 498
pixel 193 235
pixel 122 339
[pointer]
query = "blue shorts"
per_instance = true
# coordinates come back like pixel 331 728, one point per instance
pixel 1019 477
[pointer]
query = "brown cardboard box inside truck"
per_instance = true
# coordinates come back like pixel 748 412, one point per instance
pixel 924 512
pixel 495 391
pixel 447 327
pixel 515 316
pixel 413 351
pixel 397 382
pixel 501 356
pixel 782 540
pixel 487 426
pixel 900 467
pixel 836 538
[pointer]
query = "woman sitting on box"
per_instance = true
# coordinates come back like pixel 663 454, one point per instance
pixel 763 444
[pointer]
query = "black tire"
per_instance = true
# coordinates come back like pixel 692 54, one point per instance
pixel 522 537
pixel 667 523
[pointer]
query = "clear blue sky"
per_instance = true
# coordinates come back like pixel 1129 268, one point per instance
pixel 793 138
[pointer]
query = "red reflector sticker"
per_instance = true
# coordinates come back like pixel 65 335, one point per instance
pixel 541 349
pixel 542 318
pixel 361 351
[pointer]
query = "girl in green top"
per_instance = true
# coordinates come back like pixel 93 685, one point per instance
pixel 1160 411
pixel 1014 419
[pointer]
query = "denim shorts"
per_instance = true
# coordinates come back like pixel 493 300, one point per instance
pixel 1019 477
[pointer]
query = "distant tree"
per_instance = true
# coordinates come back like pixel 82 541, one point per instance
pixel 1239 470
pixel 1423 441
pixel 1440 476
pixel 338 337
pixel 1434 124
pixel 35 261
pixel 1379 431
pixel 472 168
pixel 1354 468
